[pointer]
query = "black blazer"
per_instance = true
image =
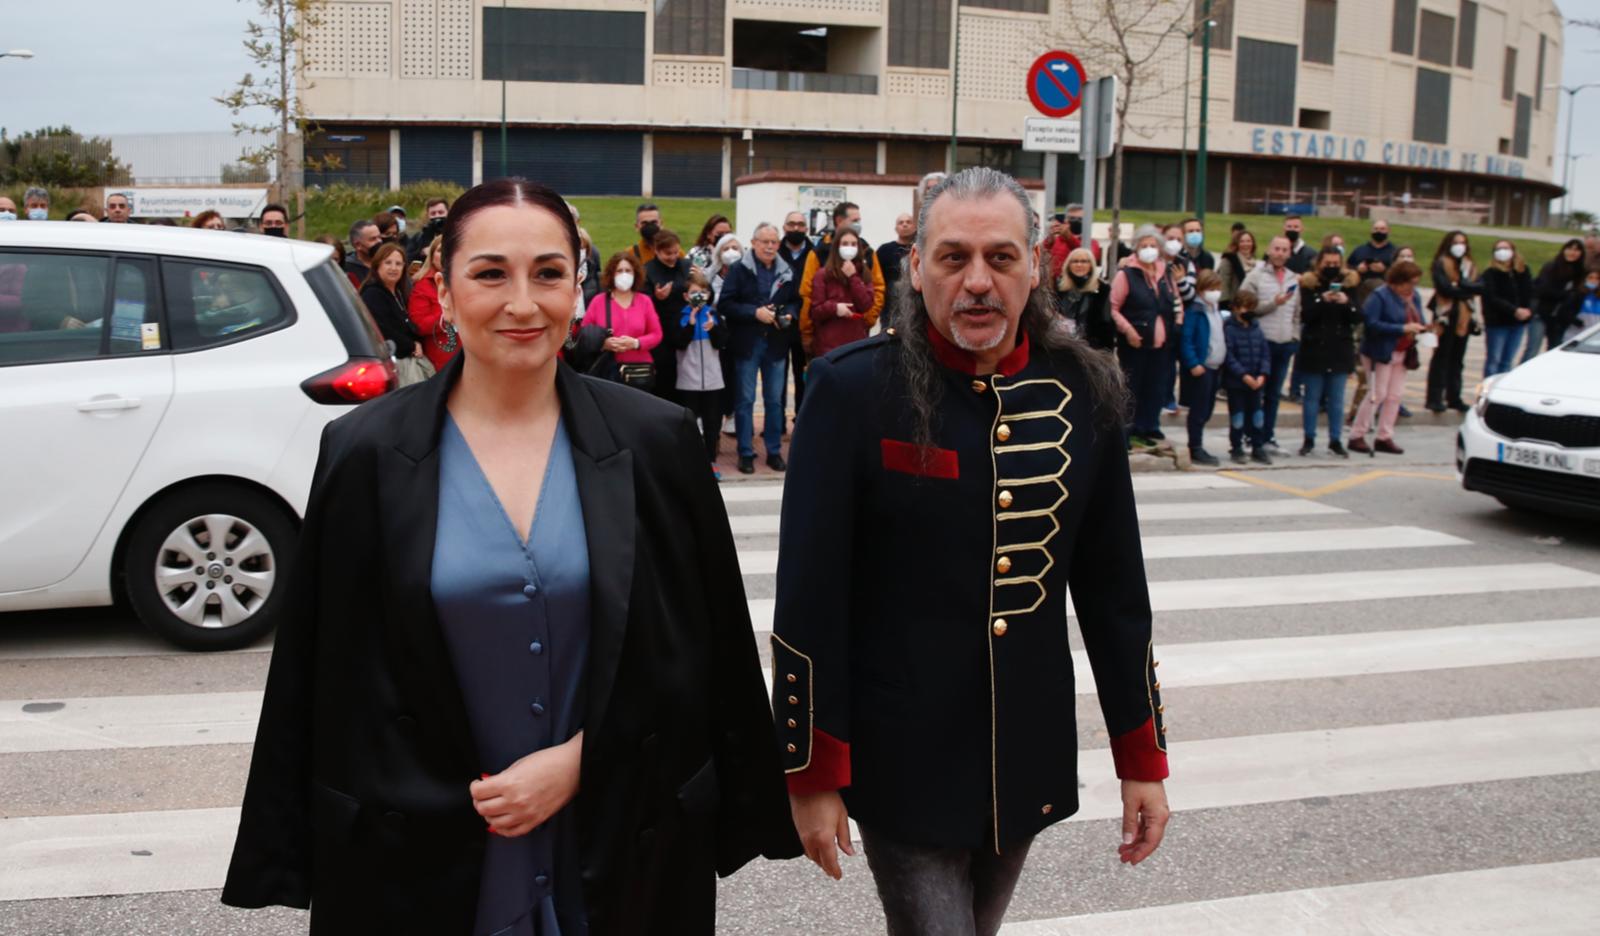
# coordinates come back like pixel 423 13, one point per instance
pixel 357 802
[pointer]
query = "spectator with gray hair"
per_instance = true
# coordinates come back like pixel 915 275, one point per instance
pixel 36 202
pixel 760 299
pixel 364 239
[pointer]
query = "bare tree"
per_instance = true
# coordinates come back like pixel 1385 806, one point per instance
pixel 1133 40
pixel 276 47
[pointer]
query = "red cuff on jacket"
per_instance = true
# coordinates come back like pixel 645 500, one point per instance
pixel 1137 755
pixel 829 768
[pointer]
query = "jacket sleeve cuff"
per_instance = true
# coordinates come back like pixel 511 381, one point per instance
pixel 829 768
pixel 1140 754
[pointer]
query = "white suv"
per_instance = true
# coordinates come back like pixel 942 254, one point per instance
pixel 162 393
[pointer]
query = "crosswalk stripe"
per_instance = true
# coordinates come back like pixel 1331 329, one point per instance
pixel 134 643
pixel 1229 662
pixel 104 723
pixel 1197 545
pixel 1556 899
pixel 751 493
pixel 767 523
pixel 82 855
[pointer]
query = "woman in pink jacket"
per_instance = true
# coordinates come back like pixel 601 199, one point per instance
pixel 840 293
pixel 631 317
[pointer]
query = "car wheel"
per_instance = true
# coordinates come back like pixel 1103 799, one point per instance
pixel 205 565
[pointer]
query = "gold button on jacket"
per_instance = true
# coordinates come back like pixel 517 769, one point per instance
pixel 1003 433
pixel 1004 565
pixel 1005 498
pixel 1000 628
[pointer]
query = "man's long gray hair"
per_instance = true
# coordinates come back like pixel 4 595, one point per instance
pixel 1046 331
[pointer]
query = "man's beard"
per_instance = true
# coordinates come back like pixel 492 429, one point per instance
pixel 967 344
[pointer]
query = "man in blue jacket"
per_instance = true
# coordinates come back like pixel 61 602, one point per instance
pixel 759 300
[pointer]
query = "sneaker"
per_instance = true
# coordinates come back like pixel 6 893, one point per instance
pixel 1170 408
pixel 1203 457
pixel 747 465
pixel 727 426
pixel 1404 413
pixel 1140 442
pixel 1359 444
pixel 1156 435
pixel 716 472
pixel 1272 447
pixel 776 463
pixel 1460 407
pixel 1260 457
pixel 1238 456
pixel 1307 447
pixel 1334 448
pixel 1387 446
pixel 1436 407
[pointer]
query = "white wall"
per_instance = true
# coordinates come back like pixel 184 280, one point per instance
pixel 880 205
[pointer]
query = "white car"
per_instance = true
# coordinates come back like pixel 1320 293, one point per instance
pixel 162 394
pixel 1532 439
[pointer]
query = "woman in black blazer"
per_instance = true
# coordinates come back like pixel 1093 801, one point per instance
pixel 381 792
pixel 383 293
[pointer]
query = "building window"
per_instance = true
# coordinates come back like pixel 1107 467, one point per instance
pixel 1467 39
pixel 1264 82
pixel 784 56
pixel 1430 122
pixel 1222 15
pixel 1508 79
pixel 1315 119
pixel 563 45
pixel 1438 38
pixel 1505 147
pixel 1404 39
pixel 1521 132
pixel 919 33
pixel 1538 76
pixel 1016 6
pixel 689 27
pixel 1317 40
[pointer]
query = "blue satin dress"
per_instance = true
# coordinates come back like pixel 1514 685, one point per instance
pixel 515 617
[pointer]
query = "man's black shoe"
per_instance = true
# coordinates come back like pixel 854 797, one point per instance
pixel 776 463
pixel 747 465
pixel 1203 457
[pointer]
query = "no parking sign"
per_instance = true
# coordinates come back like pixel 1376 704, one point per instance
pixel 1055 84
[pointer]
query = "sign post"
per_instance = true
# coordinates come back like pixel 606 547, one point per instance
pixel 1056 85
pixel 1097 140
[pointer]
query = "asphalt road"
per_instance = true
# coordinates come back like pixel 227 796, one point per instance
pixel 1383 700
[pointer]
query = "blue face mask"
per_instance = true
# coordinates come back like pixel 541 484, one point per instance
pixel 1588 285
pixel 1194 238
pixel 38 214
pixel 8 216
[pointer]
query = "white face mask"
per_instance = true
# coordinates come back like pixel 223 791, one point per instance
pixel 1458 250
pixel 730 257
pixel 623 281
pixel 1148 254
pixel 1213 296
pixel 38 214
pixel 1173 247
pixel 7 215
pixel 400 224
pixel 1503 255
pixel 848 253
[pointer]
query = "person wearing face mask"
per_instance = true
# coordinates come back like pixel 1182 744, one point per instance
pixel 398 212
pixel 647 221
pixel 36 204
pixel 1388 339
pixel 702 253
pixel 1454 306
pixel 1075 236
pixel 388 227
pixel 838 293
pixel 631 318
pixel 846 216
pixel 1194 245
pixel 760 299
pixel 274 221
pixel 8 209
pixel 1143 297
pixel 1202 352
pixel 698 336
pixel 667 276
pixel 1245 370
pixel 1328 318
pixel 1586 304
pixel 891 260
pixel 1560 279
pixel 1277 291
pixel 1183 272
pixel 726 252
pixel 1372 259
pixel 1301 254
pixel 795 249
pixel 1084 300
pixel 1507 307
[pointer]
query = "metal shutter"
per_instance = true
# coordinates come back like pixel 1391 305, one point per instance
pixel 440 154
pixel 573 162
pixel 688 166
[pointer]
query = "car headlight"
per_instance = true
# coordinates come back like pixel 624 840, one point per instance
pixel 1481 402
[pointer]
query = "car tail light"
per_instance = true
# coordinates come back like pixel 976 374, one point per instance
pixel 355 381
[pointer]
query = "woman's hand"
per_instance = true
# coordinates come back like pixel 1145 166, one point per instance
pixel 848 268
pixel 1411 328
pixel 1132 336
pixel 1524 314
pixel 1198 370
pixel 822 820
pixel 1144 819
pixel 843 310
pixel 620 343
pixel 525 795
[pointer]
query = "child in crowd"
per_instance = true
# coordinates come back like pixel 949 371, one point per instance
pixel 1587 305
pixel 1203 351
pixel 699 335
pixel 1246 365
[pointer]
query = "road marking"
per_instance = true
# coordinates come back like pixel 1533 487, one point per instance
pixel 767 524
pixel 1557 899
pixel 1343 484
pixel 1231 662
pixel 104 723
pixel 69 646
pixel 757 492
pixel 88 855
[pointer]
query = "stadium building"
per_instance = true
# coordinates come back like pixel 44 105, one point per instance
pixel 1420 105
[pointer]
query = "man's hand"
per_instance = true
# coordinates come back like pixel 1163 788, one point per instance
pixel 1524 314
pixel 822 821
pixel 1144 819
pixel 1198 370
pixel 525 795
pixel 664 290
pixel 1282 297
pixel 766 316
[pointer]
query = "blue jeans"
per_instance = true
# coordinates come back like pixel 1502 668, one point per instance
pixel 774 378
pixel 1202 393
pixel 1503 342
pixel 1282 356
pixel 1324 394
pixel 1245 419
pixel 1535 339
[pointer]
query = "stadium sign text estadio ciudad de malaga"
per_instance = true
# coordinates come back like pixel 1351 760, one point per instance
pixel 1311 144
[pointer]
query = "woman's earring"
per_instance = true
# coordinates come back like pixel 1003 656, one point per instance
pixel 452 338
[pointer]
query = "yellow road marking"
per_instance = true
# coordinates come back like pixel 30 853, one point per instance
pixel 1344 484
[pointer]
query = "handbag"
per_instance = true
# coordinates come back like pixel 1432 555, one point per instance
pixel 1413 360
pixel 637 376
pixel 412 370
pixel 586 344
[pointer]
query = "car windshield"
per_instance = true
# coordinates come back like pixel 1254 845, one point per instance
pixel 1588 344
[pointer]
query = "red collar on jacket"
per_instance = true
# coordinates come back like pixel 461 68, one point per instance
pixel 958 359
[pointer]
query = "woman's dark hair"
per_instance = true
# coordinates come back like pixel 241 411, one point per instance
pixel 204 218
pixel 835 262
pixel 704 240
pixel 1327 251
pixel 380 255
pixel 1403 272
pixel 1444 246
pixel 1568 271
pixel 617 259
pixel 500 192
pixel 336 244
pixel 1239 235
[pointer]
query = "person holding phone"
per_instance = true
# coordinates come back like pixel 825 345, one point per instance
pixel 1393 325
pixel 1277 289
pixel 841 295
pixel 760 299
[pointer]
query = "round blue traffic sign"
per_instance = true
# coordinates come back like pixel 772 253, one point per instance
pixel 1055 84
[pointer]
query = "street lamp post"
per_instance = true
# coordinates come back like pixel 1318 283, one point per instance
pixel 1566 165
pixel 955 84
pixel 1204 30
pixel 1205 109
pixel 505 27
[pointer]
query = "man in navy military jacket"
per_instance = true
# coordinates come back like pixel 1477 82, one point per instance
pixel 979 447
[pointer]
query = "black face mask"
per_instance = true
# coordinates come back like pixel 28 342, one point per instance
pixel 1078 281
pixel 649 230
pixel 1075 225
pixel 1294 236
pixel 1329 274
pixel 1379 237
pixel 275 232
pixel 794 238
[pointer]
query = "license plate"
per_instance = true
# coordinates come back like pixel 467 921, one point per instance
pixel 1546 459
pixel 1591 466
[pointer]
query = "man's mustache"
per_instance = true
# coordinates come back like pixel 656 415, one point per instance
pixel 987 303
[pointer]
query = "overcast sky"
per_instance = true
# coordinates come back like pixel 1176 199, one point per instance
pixel 102 69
